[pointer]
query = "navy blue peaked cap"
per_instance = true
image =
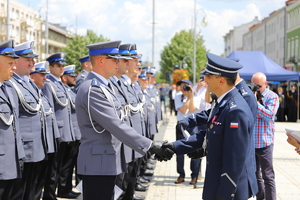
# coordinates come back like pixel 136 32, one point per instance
pixel 133 51
pixel 7 49
pixel 57 58
pixel 25 50
pixel 84 59
pixel 143 75
pixel 124 51
pixel 110 49
pixel 217 65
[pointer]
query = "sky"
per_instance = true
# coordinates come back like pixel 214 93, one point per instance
pixel 131 20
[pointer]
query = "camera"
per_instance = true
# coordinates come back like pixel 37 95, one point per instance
pixel 255 89
pixel 186 87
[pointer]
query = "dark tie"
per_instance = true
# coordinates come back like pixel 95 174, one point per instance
pixel 109 85
pixel 4 91
pixel 119 83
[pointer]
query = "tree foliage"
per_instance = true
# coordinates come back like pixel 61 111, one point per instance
pixel 76 49
pixel 181 45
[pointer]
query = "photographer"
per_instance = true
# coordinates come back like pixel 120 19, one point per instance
pixel 186 103
pixel 263 133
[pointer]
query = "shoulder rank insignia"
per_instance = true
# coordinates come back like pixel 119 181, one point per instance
pixel 243 91
pixel 232 104
pixel 95 83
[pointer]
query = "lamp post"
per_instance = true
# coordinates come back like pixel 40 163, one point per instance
pixel 183 60
pixel 46 27
pixel 69 32
pixel 204 23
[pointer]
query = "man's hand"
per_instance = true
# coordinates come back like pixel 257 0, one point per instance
pixel 162 153
pixel 199 153
pixel 180 124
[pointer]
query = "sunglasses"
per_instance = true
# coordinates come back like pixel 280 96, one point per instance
pixel 114 59
pixel 259 86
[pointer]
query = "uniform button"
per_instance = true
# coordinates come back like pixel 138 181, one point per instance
pixel 104 151
pixel 207 162
pixel 232 195
pixel 214 132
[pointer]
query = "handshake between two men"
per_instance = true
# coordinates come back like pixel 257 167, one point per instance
pixel 165 150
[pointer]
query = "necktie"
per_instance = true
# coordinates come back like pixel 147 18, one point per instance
pixel 119 83
pixel 4 91
pixel 109 85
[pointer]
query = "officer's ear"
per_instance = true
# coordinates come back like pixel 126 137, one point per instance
pixel 222 80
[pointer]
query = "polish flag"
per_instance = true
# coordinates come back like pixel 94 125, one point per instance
pixel 234 125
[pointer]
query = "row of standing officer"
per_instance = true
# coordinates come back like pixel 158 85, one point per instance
pixel 139 110
pixel 117 121
pixel 40 131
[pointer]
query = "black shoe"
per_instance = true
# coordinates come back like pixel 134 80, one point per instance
pixel 146 178
pixel 141 180
pixel 149 166
pixel 70 195
pixel 138 197
pixel 76 193
pixel 148 173
pixel 138 187
pixel 145 185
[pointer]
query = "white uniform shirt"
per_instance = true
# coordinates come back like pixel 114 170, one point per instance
pixel 179 103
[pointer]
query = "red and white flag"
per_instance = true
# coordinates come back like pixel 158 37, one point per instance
pixel 234 125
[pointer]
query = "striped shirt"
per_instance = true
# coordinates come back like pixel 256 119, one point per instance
pixel 264 127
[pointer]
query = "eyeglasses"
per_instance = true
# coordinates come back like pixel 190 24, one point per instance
pixel 259 86
pixel 107 57
pixel 114 59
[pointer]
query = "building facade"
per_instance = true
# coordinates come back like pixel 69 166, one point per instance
pixel 234 39
pixel 26 24
pixel 268 36
pixel 293 35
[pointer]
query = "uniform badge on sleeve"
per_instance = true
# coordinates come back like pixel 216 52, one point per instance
pixel 234 125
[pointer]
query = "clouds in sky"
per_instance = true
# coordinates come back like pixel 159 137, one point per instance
pixel 131 20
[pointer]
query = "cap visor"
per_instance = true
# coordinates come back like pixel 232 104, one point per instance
pixel 71 74
pixel 204 72
pixel 125 57
pixel 114 56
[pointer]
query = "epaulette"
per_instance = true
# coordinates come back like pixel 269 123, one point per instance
pixel 95 83
pixel 243 91
pixel 232 103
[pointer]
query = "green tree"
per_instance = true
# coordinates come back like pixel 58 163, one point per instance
pixel 75 48
pixel 181 45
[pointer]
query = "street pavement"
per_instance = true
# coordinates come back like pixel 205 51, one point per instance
pixel 162 187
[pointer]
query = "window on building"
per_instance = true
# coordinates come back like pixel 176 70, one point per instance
pixel 289 49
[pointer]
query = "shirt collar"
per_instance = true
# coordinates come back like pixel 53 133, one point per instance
pixel 104 80
pixel 223 95
pixel 127 79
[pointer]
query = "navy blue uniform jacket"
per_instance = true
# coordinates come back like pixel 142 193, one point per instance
pixel 230 172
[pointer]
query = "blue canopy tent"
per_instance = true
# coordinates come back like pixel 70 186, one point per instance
pixel 257 61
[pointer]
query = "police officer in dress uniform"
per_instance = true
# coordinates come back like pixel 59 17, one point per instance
pixel 153 93
pixel 117 87
pixel 11 147
pixel 69 80
pixel 101 156
pixel 138 120
pixel 38 76
pixel 229 136
pixel 31 122
pixel 86 68
pixel 57 94
pixel 201 118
